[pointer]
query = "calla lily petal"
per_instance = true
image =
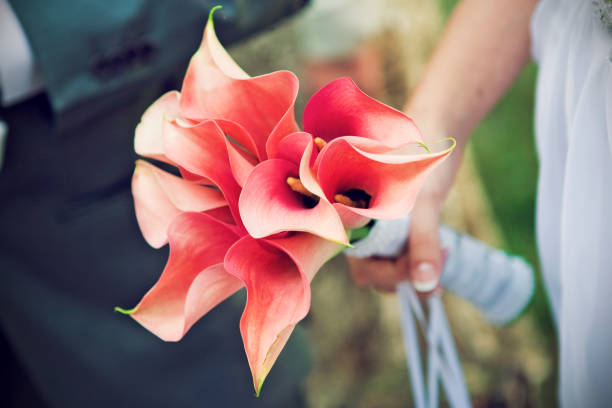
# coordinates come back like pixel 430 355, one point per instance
pixel 238 135
pixel 212 50
pixel 350 219
pixel 202 150
pixel 292 147
pixel 215 87
pixel 391 180
pixel 309 252
pixel 307 174
pixel 299 148
pixel 193 281
pixel 241 162
pixel 149 134
pixel 160 196
pixel 148 137
pixel 268 206
pixel 276 274
pixel 223 214
pixel 340 108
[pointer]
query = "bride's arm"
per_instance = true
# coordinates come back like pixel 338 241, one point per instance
pixel 484 47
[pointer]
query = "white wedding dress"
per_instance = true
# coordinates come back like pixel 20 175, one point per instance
pixel 572 43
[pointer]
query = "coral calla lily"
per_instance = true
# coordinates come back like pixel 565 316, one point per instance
pixel 340 108
pixel 277 275
pixel 389 181
pixel 368 167
pixel 258 203
pixel 194 279
pixel 288 211
pixel 215 87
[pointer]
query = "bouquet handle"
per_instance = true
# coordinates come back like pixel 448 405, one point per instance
pixel 500 285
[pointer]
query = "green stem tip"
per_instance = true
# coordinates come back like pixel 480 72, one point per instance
pixel 124 311
pixel 212 11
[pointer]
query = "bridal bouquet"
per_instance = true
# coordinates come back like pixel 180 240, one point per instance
pixel 260 203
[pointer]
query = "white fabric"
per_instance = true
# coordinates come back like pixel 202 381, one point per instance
pixel 573 125
pixel 18 75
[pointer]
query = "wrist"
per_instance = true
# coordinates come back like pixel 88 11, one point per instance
pixel 432 125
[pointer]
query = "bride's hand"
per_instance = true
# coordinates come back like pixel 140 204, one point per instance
pixel 382 273
pixel 422 259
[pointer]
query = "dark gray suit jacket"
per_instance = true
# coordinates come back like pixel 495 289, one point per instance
pixel 70 248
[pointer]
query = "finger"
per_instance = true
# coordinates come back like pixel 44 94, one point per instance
pixel 384 274
pixel 438 289
pixel 424 254
pixel 358 268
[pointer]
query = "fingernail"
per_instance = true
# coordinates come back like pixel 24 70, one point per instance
pixel 422 282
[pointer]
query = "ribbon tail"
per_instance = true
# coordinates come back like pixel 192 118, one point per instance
pixel 411 344
pixel 442 361
pixel 460 393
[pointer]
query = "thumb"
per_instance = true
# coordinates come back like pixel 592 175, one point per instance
pixel 424 254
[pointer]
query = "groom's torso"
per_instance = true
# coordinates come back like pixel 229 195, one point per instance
pixel 70 248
